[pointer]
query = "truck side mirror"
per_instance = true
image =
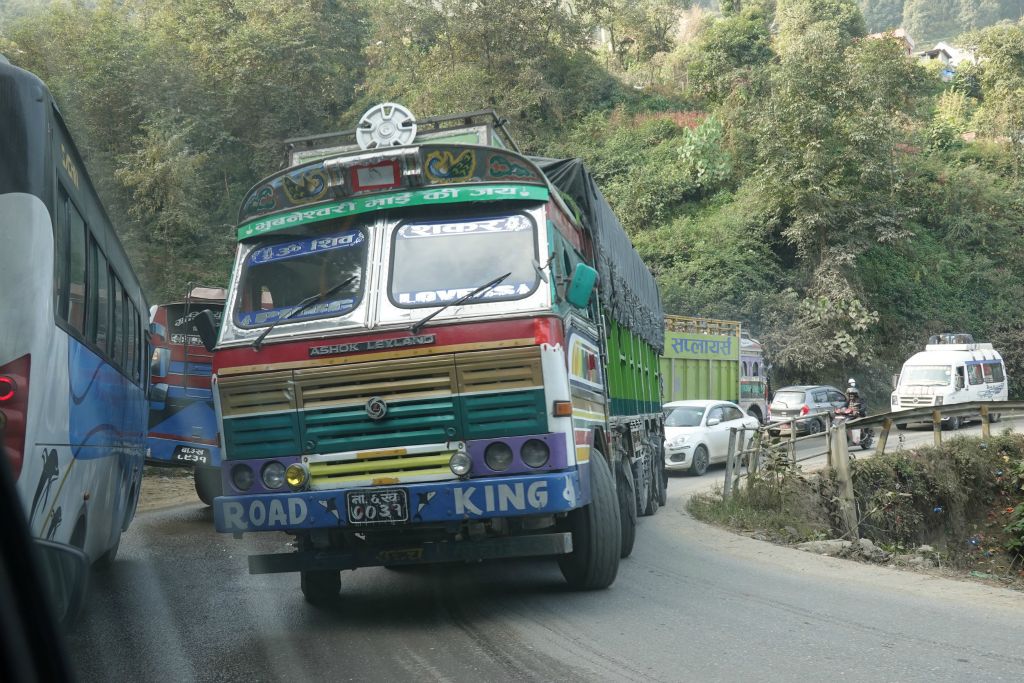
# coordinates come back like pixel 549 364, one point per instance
pixel 581 286
pixel 157 396
pixel 159 362
pixel 159 331
pixel 895 381
pixel 206 326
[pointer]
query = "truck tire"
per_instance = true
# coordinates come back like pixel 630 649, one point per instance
pixel 651 506
pixel 208 483
pixel 596 533
pixel 626 490
pixel 320 586
pixel 659 456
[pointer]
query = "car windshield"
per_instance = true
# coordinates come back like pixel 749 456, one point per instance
pixel 278 275
pixel 684 416
pixel 927 375
pixel 788 399
pixel 436 262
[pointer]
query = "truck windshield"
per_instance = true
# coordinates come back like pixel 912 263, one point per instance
pixel 686 416
pixel 278 275
pixel 436 262
pixel 927 375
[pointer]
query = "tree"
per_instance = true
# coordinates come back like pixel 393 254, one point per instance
pixel 882 15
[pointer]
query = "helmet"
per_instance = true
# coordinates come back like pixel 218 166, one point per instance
pixel 852 383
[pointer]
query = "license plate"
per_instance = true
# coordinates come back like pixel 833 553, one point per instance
pixel 378 506
pixel 192 454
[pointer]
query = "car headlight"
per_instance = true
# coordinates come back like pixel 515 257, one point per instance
pixel 273 475
pixel 498 456
pixel 676 441
pixel 242 477
pixel 535 453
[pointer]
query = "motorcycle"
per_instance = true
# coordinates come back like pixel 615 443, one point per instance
pixel 857 436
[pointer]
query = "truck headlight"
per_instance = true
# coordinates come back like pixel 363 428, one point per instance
pixel 938 400
pixel 460 463
pixel 498 456
pixel 242 477
pixel 535 453
pixel 273 475
pixel 296 476
pixel 895 399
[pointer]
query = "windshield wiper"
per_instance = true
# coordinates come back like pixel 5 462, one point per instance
pixel 301 306
pixel 416 327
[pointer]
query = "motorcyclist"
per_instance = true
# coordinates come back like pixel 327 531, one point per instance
pixel 854 400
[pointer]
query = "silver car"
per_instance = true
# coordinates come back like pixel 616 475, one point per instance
pixel 795 401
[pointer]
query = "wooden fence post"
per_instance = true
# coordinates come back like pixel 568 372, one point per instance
pixel 986 431
pixel 727 491
pixel 883 437
pixel 847 502
pixel 937 427
pixel 754 461
pixel 792 443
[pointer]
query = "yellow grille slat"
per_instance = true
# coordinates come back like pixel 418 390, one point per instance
pixel 438 471
pixel 499 370
pixel 352 385
pixel 370 468
pixel 258 393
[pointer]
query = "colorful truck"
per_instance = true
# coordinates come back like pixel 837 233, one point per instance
pixel 434 349
pixel 183 428
pixel 715 360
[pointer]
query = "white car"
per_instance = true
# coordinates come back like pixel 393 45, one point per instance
pixel 697 433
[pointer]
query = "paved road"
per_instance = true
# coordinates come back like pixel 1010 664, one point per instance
pixel 692 603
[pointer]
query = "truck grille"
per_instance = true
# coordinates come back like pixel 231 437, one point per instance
pixel 321 412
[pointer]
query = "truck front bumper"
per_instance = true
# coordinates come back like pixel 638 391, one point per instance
pixel 447 501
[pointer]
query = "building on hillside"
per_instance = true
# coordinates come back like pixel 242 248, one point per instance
pixel 950 57
pixel 900 35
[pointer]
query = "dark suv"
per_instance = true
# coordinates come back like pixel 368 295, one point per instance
pixel 795 401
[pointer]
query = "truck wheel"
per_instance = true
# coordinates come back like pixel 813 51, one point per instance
pixel 626 491
pixel 320 586
pixel 659 456
pixel 208 483
pixel 651 506
pixel 596 533
pixel 901 426
pixel 994 417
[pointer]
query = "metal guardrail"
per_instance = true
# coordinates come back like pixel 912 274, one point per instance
pixel 760 444
pixel 838 456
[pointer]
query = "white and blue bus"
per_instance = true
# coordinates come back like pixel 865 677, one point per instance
pixel 73 334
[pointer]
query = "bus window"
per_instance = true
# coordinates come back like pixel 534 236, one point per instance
pixel 133 332
pixel 76 272
pixel 99 298
pixel 60 257
pixel 117 322
pixel 755 370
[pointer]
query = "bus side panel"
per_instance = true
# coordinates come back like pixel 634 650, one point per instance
pixel 107 429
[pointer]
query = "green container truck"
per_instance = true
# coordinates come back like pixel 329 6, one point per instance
pixel 712 360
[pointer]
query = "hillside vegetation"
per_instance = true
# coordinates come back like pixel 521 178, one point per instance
pixel 771 163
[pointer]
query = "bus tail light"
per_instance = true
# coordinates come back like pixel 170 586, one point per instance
pixel 14 409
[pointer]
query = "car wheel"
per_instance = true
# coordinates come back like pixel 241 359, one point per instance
pixel 901 425
pixel 814 427
pixel 994 417
pixel 700 461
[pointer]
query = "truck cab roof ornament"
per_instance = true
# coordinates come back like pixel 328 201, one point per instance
pixel 386 125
